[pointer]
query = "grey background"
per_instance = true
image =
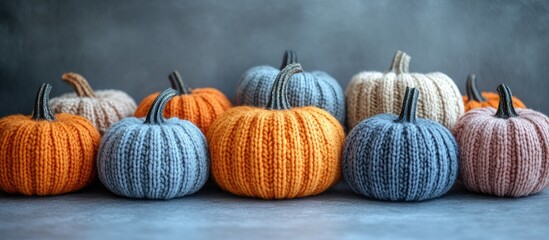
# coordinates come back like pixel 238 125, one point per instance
pixel 133 45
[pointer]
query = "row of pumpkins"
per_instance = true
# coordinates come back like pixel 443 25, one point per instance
pixel 408 137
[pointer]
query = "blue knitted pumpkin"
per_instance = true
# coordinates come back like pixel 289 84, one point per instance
pixel 400 158
pixel 304 89
pixel 153 157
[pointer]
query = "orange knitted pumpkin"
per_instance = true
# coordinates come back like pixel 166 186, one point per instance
pixel 487 99
pixel 46 154
pixel 278 152
pixel 201 106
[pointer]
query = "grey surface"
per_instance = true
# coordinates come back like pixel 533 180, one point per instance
pixel 211 214
pixel 133 44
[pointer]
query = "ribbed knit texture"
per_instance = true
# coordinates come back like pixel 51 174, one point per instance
pixel 201 106
pixel 492 100
pixel 504 156
pixel 304 89
pixel 46 157
pixel 372 93
pixel 475 99
pixel 400 161
pixel 153 160
pixel 103 108
pixel 276 153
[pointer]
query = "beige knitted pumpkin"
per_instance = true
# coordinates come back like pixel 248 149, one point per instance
pixel 372 93
pixel 103 108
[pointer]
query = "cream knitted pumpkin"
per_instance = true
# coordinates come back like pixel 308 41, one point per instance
pixel 372 93
pixel 103 108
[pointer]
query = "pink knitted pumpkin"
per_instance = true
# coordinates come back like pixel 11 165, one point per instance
pixel 504 152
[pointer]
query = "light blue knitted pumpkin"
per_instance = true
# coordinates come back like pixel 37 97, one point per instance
pixel 400 158
pixel 153 157
pixel 304 89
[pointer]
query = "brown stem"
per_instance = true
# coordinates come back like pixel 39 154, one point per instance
pixel 79 83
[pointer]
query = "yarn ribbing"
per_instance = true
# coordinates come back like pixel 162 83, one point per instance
pixel 154 158
pixel 103 108
pixel 504 152
pixel 46 154
pixel 200 106
pixel 304 89
pixel 476 99
pixel 276 153
pixel 400 158
pixel 372 93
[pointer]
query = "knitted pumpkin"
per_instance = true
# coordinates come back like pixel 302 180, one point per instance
pixel 400 158
pixel 201 106
pixel 278 152
pixel 372 93
pixel 475 99
pixel 46 154
pixel 504 152
pixel 304 89
pixel 153 157
pixel 102 108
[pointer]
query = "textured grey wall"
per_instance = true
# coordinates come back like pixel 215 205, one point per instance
pixel 133 45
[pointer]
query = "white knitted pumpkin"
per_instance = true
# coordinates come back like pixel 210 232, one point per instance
pixel 103 108
pixel 372 93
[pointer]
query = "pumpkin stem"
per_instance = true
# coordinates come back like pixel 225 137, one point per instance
pixel 409 106
pixel 79 83
pixel 472 91
pixel 506 109
pixel 278 100
pixel 289 58
pixel 42 109
pixel 177 83
pixel 400 63
pixel 155 114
